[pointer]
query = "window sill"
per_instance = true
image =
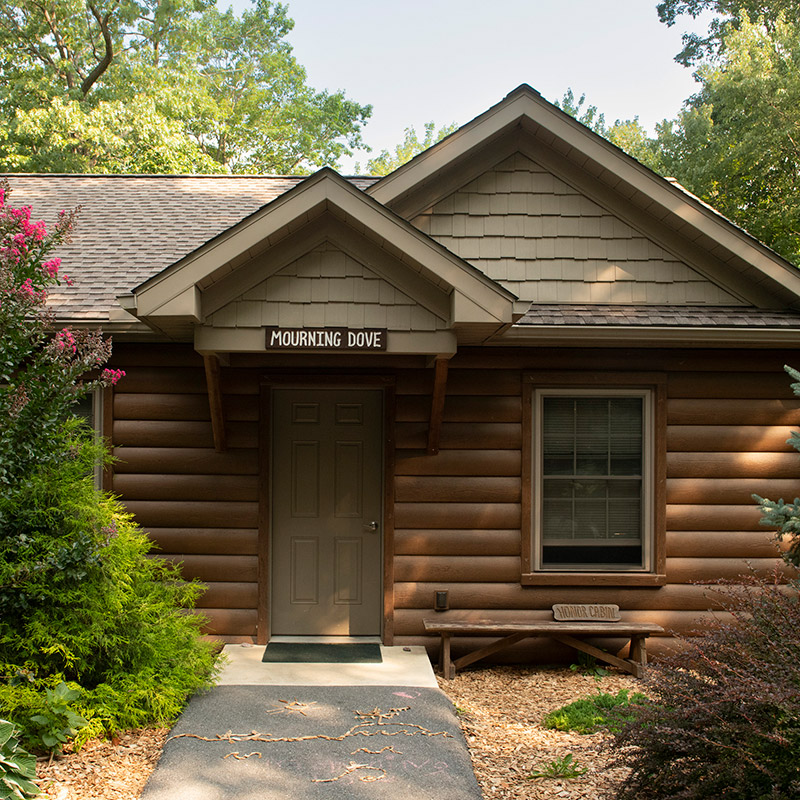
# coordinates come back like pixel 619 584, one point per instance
pixel 592 579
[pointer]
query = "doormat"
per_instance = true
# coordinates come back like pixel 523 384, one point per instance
pixel 313 653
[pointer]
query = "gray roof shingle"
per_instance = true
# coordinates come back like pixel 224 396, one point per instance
pixel 133 226
pixel 659 316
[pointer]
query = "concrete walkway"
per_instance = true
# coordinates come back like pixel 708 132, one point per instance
pixel 318 732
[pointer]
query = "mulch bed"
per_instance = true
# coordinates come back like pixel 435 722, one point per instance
pixel 500 709
pixel 104 770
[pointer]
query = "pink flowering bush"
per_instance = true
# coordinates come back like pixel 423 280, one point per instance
pixel 42 373
pixel 81 602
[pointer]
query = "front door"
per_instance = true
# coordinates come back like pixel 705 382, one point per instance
pixel 326 512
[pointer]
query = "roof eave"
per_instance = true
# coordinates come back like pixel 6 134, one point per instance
pixel 646 335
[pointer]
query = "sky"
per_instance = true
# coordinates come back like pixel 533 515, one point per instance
pixel 449 60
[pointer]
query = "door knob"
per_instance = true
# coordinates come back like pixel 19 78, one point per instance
pixel 371 526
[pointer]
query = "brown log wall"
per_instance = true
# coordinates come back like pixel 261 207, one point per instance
pixel 458 514
pixel 199 506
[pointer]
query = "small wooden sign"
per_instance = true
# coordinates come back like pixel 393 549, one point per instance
pixel 328 339
pixel 589 612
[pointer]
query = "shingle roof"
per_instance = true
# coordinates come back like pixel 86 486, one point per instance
pixel 133 226
pixel 659 316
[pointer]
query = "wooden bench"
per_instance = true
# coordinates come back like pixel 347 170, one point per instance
pixel 564 632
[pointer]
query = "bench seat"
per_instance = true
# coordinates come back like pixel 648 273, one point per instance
pixel 565 632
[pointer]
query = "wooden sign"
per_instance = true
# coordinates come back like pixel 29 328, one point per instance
pixel 590 612
pixel 327 339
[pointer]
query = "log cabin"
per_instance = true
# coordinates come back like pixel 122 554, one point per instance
pixel 520 370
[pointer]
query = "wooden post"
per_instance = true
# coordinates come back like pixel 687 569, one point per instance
pixel 437 404
pixel 211 363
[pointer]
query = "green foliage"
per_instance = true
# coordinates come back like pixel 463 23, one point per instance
pixel 588 714
pixel 162 86
pixel 735 145
pixel 110 136
pixel 57 723
pixel 587 665
pixel 411 146
pixel 82 603
pixel 728 18
pixel 17 766
pixel 725 721
pixel 628 135
pixel 566 767
pixel 785 516
pixel 95 610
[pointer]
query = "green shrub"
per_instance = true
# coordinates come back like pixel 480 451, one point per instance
pixel 57 723
pixel 725 721
pixel 601 710
pixel 90 607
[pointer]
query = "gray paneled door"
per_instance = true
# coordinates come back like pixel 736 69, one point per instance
pixel 326 512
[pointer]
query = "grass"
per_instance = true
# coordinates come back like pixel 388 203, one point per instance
pixel 589 714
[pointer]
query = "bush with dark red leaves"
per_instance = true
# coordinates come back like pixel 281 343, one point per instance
pixel 723 719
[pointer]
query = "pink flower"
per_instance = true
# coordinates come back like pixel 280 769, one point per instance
pixel 111 376
pixel 27 287
pixel 51 267
pixel 66 341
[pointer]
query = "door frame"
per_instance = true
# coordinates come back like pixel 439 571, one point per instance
pixel 268 384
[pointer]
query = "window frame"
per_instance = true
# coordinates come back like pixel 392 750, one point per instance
pixel 101 399
pixel 571 384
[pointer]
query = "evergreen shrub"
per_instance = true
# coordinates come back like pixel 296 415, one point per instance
pixel 89 607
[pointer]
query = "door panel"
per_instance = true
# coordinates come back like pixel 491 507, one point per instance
pixel 326 493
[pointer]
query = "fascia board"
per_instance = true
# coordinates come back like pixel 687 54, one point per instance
pixel 464 311
pixel 473 134
pixel 597 335
pixel 187 304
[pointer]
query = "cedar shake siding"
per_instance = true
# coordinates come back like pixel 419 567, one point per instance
pixel 548 243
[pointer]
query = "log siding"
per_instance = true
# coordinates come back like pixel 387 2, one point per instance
pixel 458 515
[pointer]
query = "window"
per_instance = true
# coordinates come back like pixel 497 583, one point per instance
pixel 595 513
pixel 90 409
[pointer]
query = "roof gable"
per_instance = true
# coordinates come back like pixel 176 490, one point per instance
pixel 547 242
pixel 525 123
pixel 322 212
pixel 327 287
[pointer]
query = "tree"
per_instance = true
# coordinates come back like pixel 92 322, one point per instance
pixel 223 92
pixel 736 144
pixel 411 146
pixel 730 14
pixel 41 374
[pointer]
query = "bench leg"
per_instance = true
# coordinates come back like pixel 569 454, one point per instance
pixel 638 651
pixel 446 665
